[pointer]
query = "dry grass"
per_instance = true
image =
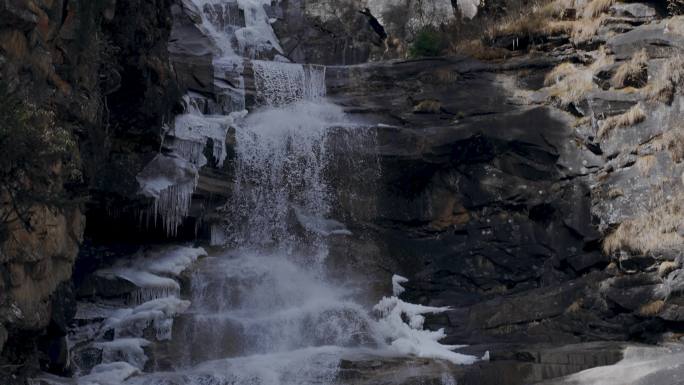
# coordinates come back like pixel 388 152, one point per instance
pixel 664 86
pixel 595 8
pixel 559 73
pixel 574 307
pixel 645 164
pixel 667 267
pixel 615 193
pixel 477 49
pixel 653 231
pixel 634 115
pixel 631 71
pixel 546 20
pixel 580 20
pixel 673 142
pixel 568 83
pixel 585 29
pixel 652 308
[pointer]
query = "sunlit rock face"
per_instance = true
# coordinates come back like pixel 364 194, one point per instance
pixel 344 35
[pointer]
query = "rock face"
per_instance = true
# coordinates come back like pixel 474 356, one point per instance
pixel 102 69
pixel 484 205
pixel 538 222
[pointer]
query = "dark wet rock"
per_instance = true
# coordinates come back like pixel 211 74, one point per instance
pixel 86 358
pixel 106 287
pixel 3 336
pixel 508 365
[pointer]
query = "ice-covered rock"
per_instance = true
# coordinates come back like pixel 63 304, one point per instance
pixel 115 373
pixel 170 180
pixel 130 350
pixel 401 324
pixel 157 313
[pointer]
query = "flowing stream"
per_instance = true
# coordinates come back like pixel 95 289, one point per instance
pixel 265 310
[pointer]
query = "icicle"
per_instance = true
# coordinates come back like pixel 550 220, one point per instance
pixel 173 205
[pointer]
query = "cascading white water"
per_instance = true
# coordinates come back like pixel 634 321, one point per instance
pixel 263 312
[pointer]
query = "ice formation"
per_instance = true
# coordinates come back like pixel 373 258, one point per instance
pixel 114 373
pixel 130 350
pixel 272 307
pixel 153 270
pixel 193 130
pixel 157 313
pixel 170 180
pixel 150 286
pixel 401 323
pixel 397 280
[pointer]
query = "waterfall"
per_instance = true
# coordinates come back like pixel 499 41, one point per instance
pixel 279 84
pixel 264 310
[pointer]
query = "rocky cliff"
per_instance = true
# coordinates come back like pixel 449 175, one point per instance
pixel 100 70
pixel 536 193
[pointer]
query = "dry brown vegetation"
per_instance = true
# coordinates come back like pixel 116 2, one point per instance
pixel 645 164
pixel 667 267
pixel 574 307
pixel 634 115
pixel 631 72
pixel 652 231
pixel 652 308
pixel 665 84
pixel 673 142
pixel 596 7
pixel 615 193
pixel 569 83
pixel 477 49
pixel 580 20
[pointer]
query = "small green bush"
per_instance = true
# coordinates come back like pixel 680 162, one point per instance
pixel 428 42
pixel 36 157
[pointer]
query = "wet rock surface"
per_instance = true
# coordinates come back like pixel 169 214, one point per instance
pixel 540 234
